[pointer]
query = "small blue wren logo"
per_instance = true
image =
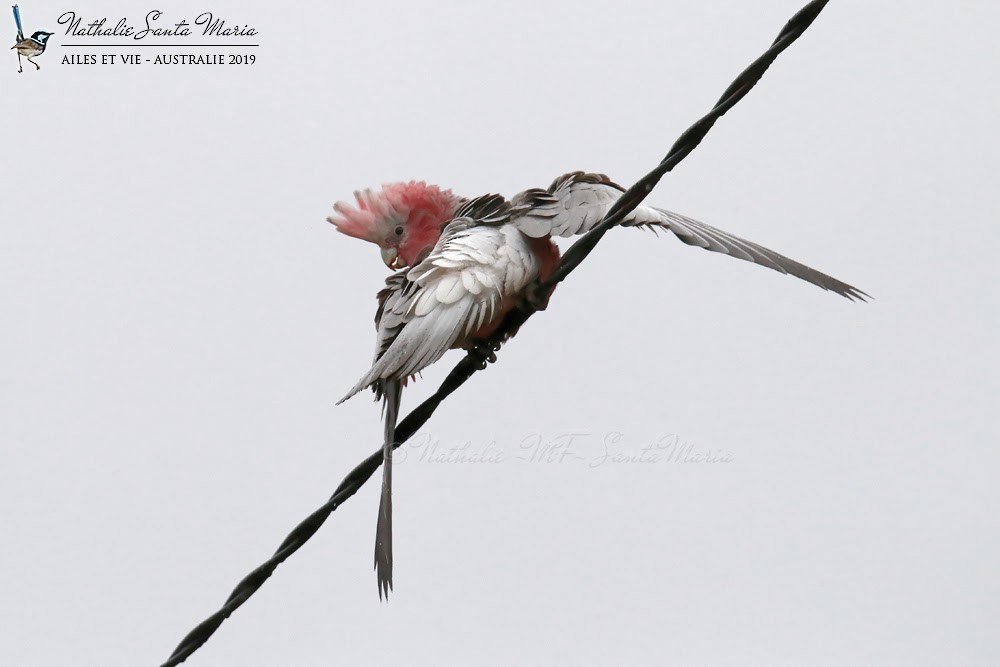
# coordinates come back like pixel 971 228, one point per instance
pixel 29 47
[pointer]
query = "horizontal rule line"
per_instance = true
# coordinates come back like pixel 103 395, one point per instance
pixel 160 46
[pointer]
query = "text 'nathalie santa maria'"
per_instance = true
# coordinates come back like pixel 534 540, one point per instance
pixel 206 25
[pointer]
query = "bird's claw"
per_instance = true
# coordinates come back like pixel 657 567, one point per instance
pixel 484 354
pixel 535 298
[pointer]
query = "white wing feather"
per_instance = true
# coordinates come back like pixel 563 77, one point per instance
pixel 457 288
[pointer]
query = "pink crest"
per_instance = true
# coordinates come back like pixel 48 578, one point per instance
pixel 379 212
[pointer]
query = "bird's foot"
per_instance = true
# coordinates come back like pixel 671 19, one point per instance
pixel 484 353
pixel 535 297
pixel 20 70
pixel 37 66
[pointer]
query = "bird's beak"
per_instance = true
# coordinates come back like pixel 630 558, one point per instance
pixel 389 256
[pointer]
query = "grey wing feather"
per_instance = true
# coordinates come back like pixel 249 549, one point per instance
pixel 405 344
pixel 693 232
pixel 576 202
pixel 572 205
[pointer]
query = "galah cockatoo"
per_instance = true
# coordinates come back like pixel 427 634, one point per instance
pixel 464 263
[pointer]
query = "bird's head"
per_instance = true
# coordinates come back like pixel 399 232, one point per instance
pixel 40 36
pixel 403 219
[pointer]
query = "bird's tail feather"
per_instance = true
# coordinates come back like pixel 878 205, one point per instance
pixel 17 20
pixel 392 391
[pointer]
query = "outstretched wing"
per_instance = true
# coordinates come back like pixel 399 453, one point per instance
pixel 462 284
pixel 705 236
pixel 575 203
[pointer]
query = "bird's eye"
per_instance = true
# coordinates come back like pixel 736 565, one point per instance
pixel 399 230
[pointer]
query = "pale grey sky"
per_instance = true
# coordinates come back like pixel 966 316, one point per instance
pixel 179 320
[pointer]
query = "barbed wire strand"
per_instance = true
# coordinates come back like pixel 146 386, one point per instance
pixel 473 362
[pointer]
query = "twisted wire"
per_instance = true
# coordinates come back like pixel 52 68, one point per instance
pixel 472 362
